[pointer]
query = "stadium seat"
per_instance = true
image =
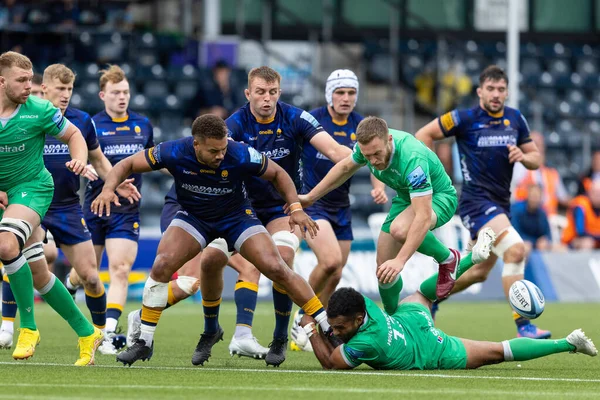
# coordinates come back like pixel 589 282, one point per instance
pixel 531 70
pixel 560 71
pixel 155 89
pixel 593 110
pixel 186 90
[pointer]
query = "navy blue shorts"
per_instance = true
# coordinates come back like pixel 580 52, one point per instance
pixel 117 226
pixel 168 213
pixel 66 224
pixel 235 228
pixel 475 214
pixel 340 219
pixel 268 214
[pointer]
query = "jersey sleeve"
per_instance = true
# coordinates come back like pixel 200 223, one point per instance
pixel 158 156
pixel 308 126
pixel 53 121
pixel 253 162
pixel 89 133
pixel 416 176
pixel 234 130
pixel 452 122
pixel 523 129
pixel 357 156
pixel 358 352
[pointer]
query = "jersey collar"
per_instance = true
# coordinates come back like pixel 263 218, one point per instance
pixel 5 120
pixel 499 114
pixel 363 326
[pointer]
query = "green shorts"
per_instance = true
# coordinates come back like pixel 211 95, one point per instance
pixel 443 204
pixel 36 194
pixel 434 348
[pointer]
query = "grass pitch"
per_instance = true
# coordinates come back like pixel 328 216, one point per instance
pixel 170 374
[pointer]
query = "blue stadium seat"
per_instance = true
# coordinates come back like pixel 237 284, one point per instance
pixel 576 100
pixel 179 73
pixel 593 110
pixel 139 102
pixel 531 69
pixel 155 89
pixel 186 90
pixel 560 71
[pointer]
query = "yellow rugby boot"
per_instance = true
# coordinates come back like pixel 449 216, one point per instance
pixel 25 348
pixel 87 348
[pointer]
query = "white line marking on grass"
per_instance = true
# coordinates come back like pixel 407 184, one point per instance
pixel 395 374
pixel 296 389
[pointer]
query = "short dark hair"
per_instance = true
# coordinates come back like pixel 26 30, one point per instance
pixel 494 73
pixel 370 128
pixel 209 126
pixel 346 302
pixel 37 79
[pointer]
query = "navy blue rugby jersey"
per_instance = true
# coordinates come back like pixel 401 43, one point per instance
pixel 315 165
pixel 56 155
pixel 482 140
pixel 280 139
pixel 119 139
pixel 208 193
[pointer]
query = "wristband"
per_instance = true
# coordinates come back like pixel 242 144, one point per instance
pixel 310 329
pixel 295 207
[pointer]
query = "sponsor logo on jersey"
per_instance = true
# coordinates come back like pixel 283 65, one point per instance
pixel 57 118
pixel 276 154
pixel 340 133
pixel 56 149
pixel 224 174
pixel 137 129
pixel 207 190
pixel 186 172
pixel 123 128
pixel 118 149
pixel 107 133
pixel 417 178
pixel 320 156
pixel 253 138
pixel 151 155
pixel 355 354
pixel 83 222
pixel 353 136
pixel 267 132
pixel 506 122
pixel 279 131
pixel 12 149
pixel 496 141
pixel 450 120
pixel 496 122
pixel 136 225
pixel 207 171
pixel 248 211
pixel 29 117
pixel 490 210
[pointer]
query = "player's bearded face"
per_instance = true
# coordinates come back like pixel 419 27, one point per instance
pixel 345 328
pixel 59 93
pixel 17 84
pixel 263 97
pixel 211 151
pixel 344 100
pixel 377 152
pixel 492 95
pixel 116 96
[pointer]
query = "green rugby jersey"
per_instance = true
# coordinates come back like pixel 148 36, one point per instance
pixel 413 170
pixel 22 138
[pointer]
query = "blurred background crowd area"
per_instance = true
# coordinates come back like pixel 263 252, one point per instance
pixel 415 59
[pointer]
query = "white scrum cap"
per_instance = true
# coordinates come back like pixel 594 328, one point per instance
pixel 340 78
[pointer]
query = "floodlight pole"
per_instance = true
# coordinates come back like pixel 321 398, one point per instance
pixel 512 52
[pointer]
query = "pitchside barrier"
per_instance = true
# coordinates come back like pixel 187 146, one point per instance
pixel 570 276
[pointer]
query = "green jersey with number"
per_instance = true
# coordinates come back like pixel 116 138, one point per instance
pixel 404 340
pixel 413 170
pixel 22 138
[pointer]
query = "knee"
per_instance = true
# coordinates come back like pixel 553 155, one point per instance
pixel 89 278
pixel 515 254
pixel 399 232
pixel 332 265
pixel 163 267
pixel 9 246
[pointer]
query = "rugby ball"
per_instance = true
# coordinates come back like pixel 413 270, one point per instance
pixel 526 299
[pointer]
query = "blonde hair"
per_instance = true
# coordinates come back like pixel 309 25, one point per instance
pixel 60 71
pixel 11 59
pixel 370 128
pixel 268 74
pixel 114 74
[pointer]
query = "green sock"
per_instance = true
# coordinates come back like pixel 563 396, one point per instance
pixel 61 301
pixel 524 349
pixel 390 295
pixel 432 247
pixel 428 286
pixel 21 283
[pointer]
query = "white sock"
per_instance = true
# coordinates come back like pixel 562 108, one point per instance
pixel 70 285
pixel 8 326
pixel 147 334
pixel 242 331
pixel 111 324
pixel 508 355
pixel 322 321
pixel 449 259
